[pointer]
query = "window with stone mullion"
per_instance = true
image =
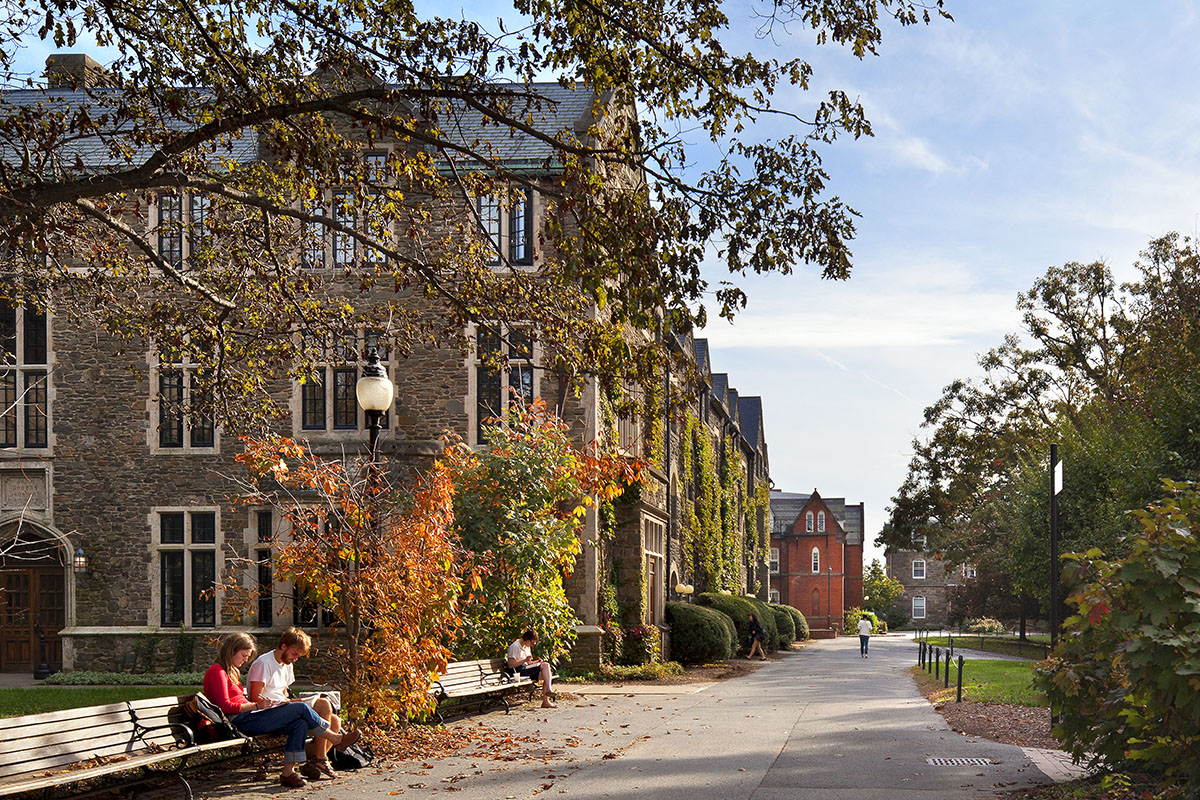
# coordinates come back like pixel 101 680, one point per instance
pixel 520 228
pixel 24 414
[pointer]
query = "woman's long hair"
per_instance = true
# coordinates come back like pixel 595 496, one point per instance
pixel 231 645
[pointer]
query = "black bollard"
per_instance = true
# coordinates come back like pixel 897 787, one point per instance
pixel 920 654
pixel 946 684
pixel 937 662
pixel 42 670
pixel 960 666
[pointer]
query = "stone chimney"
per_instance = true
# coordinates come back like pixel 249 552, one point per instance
pixel 75 71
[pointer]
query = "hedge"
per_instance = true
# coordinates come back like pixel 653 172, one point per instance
pixel 739 610
pixel 87 678
pixel 699 635
pixel 802 634
pixel 786 627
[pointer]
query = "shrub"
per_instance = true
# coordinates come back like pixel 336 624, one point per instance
pixel 1123 677
pixel 739 609
pixel 641 672
pixel 785 625
pixel 986 626
pixel 87 678
pixel 699 635
pixel 896 618
pixel 802 634
pixel 642 645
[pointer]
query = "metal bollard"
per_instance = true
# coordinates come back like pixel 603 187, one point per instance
pixel 960 666
pixel 937 662
pixel 920 654
pixel 946 684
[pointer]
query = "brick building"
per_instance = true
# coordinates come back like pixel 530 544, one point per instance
pixel 97 461
pixel 816 556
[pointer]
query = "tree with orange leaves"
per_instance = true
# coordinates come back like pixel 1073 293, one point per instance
pixel 386 564
pixel 520 506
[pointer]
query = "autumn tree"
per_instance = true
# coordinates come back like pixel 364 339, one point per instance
pixel 880 590
pixel 519 507
pixel 385 565
pixel 253 118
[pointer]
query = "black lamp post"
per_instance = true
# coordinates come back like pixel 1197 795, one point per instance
pixel 828 597
pixel 375 394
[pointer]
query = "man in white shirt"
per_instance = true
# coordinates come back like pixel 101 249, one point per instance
pixel 269 678
pixel 864 634
pixel 521 660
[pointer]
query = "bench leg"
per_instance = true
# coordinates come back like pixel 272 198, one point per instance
pixel 187 789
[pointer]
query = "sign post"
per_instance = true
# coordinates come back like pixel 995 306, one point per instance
pixel 1055 488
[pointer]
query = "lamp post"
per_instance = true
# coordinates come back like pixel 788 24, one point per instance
pixel 375 394
pixel 828 597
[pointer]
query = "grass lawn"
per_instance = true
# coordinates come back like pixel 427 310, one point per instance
pixel 18 702
pixel 987 681
pixel 1009 645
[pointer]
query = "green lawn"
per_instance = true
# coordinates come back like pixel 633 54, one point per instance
pixel 18 702
pixel 986 681
pixel 1009 645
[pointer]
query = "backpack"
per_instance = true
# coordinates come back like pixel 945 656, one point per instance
pixel 209 721
pixel 353 757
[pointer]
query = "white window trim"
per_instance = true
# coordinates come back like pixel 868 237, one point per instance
pixel 471 400
pixel 326 365
pixel 816 561
pixel 915 615
pixel 154 407
pixel 21 368
pixel 820 522
pixel 921 562
pixel 774 561
pixel 773 596
pixel 154 619
pixel 808 522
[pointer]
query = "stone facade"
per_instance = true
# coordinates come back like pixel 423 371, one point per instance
pixel 926 583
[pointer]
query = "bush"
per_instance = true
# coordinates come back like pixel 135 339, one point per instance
pixel 739 609
pixel 699 635
pixel 86 678
pixel 802 634
pixel 1123 677
pixel 985 626
pixel 785 625
pixel 642 645
pixel 896 618
pixel 641 672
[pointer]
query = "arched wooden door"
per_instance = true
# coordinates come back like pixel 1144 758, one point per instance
pixel 32 602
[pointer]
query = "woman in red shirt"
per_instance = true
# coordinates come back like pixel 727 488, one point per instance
pixel 223 685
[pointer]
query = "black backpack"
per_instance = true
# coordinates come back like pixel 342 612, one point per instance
pixel 209 721
pixel 353 757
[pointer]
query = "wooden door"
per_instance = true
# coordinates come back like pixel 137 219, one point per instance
pixel 32 601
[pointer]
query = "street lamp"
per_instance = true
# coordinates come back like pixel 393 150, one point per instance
pixel 375 394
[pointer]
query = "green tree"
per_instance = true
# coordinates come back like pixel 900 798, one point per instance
pixel 880 590
pixel 257 110
pixel 519 506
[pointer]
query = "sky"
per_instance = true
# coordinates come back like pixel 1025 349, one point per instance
pixel 1021 135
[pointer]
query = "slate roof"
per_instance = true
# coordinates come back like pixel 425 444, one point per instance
pixel 750 411
pixel 96 151
pixel 701 347
pixel 565 112
pixel 720 387
pixel 786 506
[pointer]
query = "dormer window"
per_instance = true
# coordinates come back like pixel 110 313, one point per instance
pixel 808 522
pixel 820 521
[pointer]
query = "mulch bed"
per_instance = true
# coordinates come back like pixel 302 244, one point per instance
pixel 1023 726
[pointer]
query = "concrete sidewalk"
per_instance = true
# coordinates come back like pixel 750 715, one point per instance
pixel 820 723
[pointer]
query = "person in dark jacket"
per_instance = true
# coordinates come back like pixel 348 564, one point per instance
pixel 757 634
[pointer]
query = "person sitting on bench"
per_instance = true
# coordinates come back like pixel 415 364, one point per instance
pixel 522 662
pixel 223 686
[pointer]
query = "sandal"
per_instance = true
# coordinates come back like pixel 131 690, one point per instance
pixel 323 766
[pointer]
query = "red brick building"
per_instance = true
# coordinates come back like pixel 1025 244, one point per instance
pixel 816 556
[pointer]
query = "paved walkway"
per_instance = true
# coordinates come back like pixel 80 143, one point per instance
pixel 820 723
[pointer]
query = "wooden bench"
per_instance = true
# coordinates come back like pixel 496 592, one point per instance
pixel 483 678
pixel 49 751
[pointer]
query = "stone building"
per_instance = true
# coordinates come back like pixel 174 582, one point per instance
pixel 115 513
pixel 816 557
pixel 927 583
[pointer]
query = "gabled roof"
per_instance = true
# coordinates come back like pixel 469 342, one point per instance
pixel 788 506
pixel 750 412
pixel 700 347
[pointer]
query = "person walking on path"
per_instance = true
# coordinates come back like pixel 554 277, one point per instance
pixel 521 661
pixel 756 638
pixel 864 635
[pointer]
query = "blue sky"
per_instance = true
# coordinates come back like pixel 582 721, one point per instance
pixel 1022 135
pixel 1019 136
